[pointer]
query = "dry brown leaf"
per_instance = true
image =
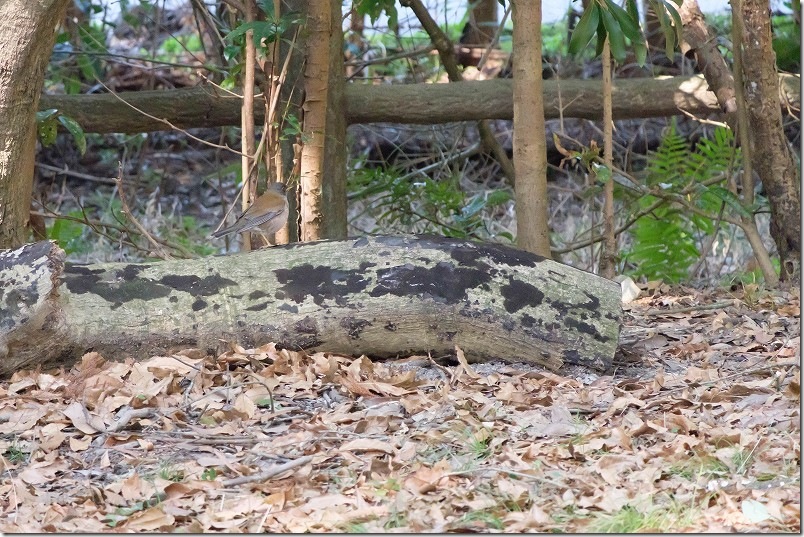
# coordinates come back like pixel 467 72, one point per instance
pixel 151 519
pixel 82 420
pixel 367 444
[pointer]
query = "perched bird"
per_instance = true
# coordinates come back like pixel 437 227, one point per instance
pixel 267 214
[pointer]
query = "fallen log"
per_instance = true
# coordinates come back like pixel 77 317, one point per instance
pixel 206 106
pixel 381 296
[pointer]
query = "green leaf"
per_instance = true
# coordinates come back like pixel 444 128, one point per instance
pixel 75 129
pixel 44 115
pixel 602 34
pixel 730 199
pixel 615 34
pixel 67 233
pixel 671 30
pixel 47 131
pixel 641 53
pixel 603 173
pixel 498 197
pixel 629 26
pixel 585 29
pixel 375 8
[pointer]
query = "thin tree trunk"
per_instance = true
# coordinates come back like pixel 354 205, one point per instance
pixel 530 148
pixel 335 149
pixel 771 156
pixel 323 199
pixel 247 161
pixel 608 257
pixel 27 35
pixel 744 133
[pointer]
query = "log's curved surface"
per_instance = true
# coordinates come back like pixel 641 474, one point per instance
pixel 205 106
pixel 381 296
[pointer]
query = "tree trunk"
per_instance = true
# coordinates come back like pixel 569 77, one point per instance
pixel 482 23
pixel 771 156
pixel 530 148
pixel 27 35
pixel 335 149
pixel 435 103
pixel 291 103
pixel 323 199
pixel 609 254
pixel 248 159
pixel 380 296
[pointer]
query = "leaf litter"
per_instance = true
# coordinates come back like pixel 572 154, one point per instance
pixel 696 428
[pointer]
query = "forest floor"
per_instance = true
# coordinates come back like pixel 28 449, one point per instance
pixel 696 428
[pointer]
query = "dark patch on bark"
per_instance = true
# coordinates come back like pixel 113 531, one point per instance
pixel 126 284
pixel 391 327
pixel 320 283
pixel 15 299
pixel 572 356
pixel 444 283
pixel 130 272
pixel 26 255
pixel 509 325
pixel 528 321
pixel 258 307
pixel 518 294
pixel 585 328
pixel 289 308
pixel 360 243
pixel 306 326
pixel 354 326
pixel 303 335
pixel 199 304
pixel 255 295
pixel 192 284
pixel 81 270
pixel 115 292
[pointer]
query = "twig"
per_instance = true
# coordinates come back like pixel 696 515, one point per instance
pixel 507 471
pixel 129 414
pixel 716 305
pixel 268 474
pixel 65 171
pixel 727 377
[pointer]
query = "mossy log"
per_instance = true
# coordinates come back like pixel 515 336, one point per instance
pixel 382 296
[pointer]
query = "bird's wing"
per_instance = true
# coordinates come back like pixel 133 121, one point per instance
pixel 260 219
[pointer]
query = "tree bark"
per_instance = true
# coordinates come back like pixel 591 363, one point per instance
pixel 771 156
pixel 26 41
pixel 609 255
pixel 530 148
pixel 335 149
pixel 380 296
pixel 700 42
pixel 204 107
pixel 323 197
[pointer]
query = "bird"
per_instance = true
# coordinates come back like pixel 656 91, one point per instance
pixel 267 214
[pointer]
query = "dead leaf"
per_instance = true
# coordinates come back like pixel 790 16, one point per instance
pixel 82 419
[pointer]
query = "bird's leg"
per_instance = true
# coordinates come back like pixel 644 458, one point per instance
pixel 266 242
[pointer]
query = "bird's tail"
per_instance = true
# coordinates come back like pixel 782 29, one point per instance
pixel 225 231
